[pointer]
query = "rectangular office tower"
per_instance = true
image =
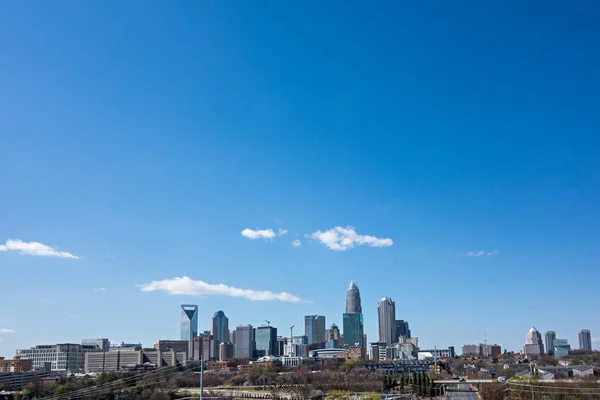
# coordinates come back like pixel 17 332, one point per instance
pixel 314 328
pixel 353 329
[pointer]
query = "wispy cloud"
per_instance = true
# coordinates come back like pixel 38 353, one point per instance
pixel 596 340
pixel 296 243
pixel 281 232
pixel 111 257
pixel 6 331
pixel 481 253
pixel 342 239
pixel 100 289
pixel 258 234
pixel 186 286
pixel 34 249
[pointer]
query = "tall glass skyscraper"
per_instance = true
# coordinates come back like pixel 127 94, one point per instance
pixel 353 299
pixel 386 310
pixel 220 328
pixel 314 328
pixel 402 329
pixel 550 338
pixel 585 340
pixel 266 341
pixel 353 318
pixel 244 341
pixel 189 321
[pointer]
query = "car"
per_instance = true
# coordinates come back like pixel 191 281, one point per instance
pixel 462 380
pixel 502 379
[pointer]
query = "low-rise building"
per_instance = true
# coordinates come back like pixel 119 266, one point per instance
pixel 175 345
pixel 67 357
pixel 15 365
pixel 223 366
pixel 582 370
pixel 118 360
pixel 436 353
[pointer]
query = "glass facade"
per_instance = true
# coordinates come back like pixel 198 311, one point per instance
pixel 314 328
pixel 244 341
pixel 220 327
pixel 266 341
pixel 189 321
pixel 561 348
pixel 353 329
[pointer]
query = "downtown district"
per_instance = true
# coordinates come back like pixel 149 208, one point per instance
pixel 263 343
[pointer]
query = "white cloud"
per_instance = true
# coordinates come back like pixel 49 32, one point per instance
pixel 187 286
pixel 258 234
pixel 481 253
pixel 296 243
pixel 34 249
pixel 342 239
pixel 6 331
pixel 111 257
pixel 281 232
pixel 100 289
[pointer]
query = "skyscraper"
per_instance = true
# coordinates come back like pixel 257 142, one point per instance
pixel 585 340
pixel 220 328
pixel 550 337
pixel 353 299
pixel 353 318
pixel 386 309
pixel 533 343
pixel 402 329
pixel 189 321
pixel 314 328
pixel 244 341
pixel 265 338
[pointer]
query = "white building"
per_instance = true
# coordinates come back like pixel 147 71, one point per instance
pixel 291 361
pixel 534 346
pixel 66 357
pixel 386 309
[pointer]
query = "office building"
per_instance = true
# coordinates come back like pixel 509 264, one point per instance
pixel 436 353
pixel 196 348
pixel 353 323
pixel 102 344
pixel 353 305
pixel 168 345
pixel 561 348
pixel 210 351
pixel 226 351
pixel 533 343
pixel 585 340
pixel 471 350
pixel 15 365
pixel 188 323
pixel 402 329
pixel 282 341
pixel 66 357
pixel 490 350
pixel 550 336
pixel 386 310
pixel 244 341
pixel 130 359
pixel 265 338
pixel 314 328
pixel 219 328
pixel 333 332
pixel 353 329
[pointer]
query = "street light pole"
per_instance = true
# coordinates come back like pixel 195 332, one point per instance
pixel 201 376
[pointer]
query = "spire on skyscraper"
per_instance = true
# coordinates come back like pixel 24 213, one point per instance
pixel 353 299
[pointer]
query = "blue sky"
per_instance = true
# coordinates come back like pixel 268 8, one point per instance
pixel 144 137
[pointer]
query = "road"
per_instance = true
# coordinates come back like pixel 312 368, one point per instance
pixel 464 391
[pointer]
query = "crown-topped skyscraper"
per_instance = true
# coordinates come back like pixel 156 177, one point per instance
pixel 353 299
pixel 353 319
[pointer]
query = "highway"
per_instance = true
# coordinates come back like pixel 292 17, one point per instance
pixel 461 391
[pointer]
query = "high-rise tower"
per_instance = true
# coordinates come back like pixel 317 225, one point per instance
pixel 353 318
pixel 533 343
pixel 585 340
pixel 550 338
pixel 220 328
pixel 188 321
pixel 353 299
pixel 386 309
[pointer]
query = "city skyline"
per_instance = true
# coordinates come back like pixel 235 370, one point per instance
pixel 255 159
